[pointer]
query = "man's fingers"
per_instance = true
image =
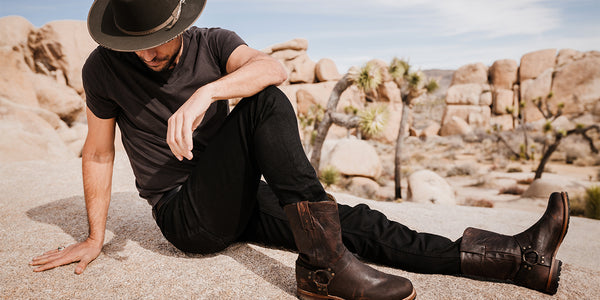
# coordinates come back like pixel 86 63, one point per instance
pixel 81 266
pixel 171 137
pixel 188 143
pixel 42 259
pixel 54 263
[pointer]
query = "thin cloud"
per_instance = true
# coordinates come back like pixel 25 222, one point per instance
pixel 489 18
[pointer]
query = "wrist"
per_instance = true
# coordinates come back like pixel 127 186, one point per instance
pixel 208 92
pixel 96 241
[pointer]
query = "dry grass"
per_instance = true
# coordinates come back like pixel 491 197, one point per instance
pixel 525 181
pixel 512 190
pixel 478 202
pixel 514 170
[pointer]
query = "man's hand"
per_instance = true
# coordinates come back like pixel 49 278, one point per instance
pixel 83 252
pixel 184 121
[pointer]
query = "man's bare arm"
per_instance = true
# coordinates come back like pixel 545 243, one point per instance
pixel 249 72
pixel 97 166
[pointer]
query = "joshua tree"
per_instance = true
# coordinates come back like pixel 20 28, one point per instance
pixel 557 135
pixel 411 85
pixel 369 121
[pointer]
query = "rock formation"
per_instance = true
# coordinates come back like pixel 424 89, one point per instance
pixel 569 79
pixel 41 93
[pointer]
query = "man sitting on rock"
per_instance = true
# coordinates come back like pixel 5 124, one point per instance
pixel 200 167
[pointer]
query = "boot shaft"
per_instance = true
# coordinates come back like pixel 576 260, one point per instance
pixel 317 231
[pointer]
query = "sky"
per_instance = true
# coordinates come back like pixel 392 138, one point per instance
pixel 430 34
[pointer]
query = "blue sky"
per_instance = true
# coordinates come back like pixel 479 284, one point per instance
pixel 429 33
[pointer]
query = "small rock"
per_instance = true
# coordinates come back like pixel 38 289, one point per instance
pixel 326 70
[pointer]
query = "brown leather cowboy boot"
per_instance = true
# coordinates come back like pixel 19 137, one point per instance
pixel 526 259
pixel 325 269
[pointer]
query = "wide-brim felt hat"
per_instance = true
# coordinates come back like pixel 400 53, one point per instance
pixel 133 25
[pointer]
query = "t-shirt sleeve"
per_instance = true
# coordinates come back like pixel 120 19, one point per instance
pixel 93 74
pixel 222 42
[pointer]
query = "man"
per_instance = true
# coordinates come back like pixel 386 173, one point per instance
pixel 200 167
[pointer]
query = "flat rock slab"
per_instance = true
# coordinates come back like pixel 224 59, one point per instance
pixel 42 207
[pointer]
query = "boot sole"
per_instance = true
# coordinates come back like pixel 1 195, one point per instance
pixel 555 268
pixel 305 295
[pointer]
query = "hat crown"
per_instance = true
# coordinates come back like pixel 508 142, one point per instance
pixel 142 15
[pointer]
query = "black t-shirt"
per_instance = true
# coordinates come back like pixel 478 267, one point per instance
pixel 119 85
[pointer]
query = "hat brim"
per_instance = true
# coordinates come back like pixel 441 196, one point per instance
pixel 103 30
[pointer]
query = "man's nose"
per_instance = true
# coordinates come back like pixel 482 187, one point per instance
pixel 147 55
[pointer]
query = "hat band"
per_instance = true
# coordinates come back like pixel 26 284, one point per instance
pixel 168 24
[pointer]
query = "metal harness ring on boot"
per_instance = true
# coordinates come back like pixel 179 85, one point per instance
pixel 529 264
pixel 319 274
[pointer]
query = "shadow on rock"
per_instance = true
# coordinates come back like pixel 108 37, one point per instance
pixel 129 218
pixel 270 269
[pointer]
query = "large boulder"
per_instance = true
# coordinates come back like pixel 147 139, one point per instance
pixel 432 129
pixel 503 100
pixel 471 73
pixel 58 98
pixel 302 69
pixel 15 82
pixel 389 92
pixel 62 46
pixel 465 94
pixel 486 99
pixel 566 56
pixel 285 55
pixel 455 126
pixel 297 44
pixel 27 136
pixel 14 31
pixel 533 90
pixel 549 183
pixel 475 115
pixel 503 122
pixel 535 63
pixel 389 134
pixel 305 100
pixel 48 116
pixel 320 92
pixel 577 85
pixel 363 187
pixel 326 70
pixel 345 154
pixel 503 73
pixel 426 186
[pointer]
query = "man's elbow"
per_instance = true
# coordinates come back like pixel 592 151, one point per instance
pixel 92 152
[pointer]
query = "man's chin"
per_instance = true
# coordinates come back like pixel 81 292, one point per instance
pixel 157 68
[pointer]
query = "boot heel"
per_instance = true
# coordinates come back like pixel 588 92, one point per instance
pixel 552 286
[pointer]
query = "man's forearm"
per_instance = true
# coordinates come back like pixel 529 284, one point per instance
pixel 97 179
pixel 248 80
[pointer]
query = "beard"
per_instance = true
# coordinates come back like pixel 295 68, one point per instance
pixel 161 64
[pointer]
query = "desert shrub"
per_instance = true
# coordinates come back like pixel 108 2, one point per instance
pixel 479 202
pixel 512 190
pixel 514 170
pixel 592 202
pixel 577 206
pixel 373 120
pixel 462 170
pixel 330 176
pixel 525 181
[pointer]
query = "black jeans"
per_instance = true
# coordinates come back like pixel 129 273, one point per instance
pixel 224 200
